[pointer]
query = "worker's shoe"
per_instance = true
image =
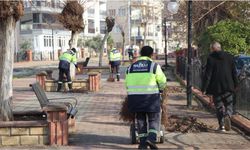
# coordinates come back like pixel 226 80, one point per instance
pixel 221 129
pixel 118 77
pixel 151 144
pixel 227 123
pixel 59 86
pixel 142 147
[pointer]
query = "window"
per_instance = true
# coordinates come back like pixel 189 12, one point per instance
pixel 36 18
pixel 91 26
pixel 112 12
pixel 122 12
pixel 61 41
pixel 47 18
pixel 102 27
pixel 38 3
pixel 91 11
pixel 36 41
pixel 47 41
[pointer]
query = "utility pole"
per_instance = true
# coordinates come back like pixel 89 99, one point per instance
pixel 189 71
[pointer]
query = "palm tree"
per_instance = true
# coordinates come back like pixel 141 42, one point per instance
pixel 110 22
pixel 10 12
pixel 72 19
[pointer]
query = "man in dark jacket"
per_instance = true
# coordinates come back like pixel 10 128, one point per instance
pixel 220 81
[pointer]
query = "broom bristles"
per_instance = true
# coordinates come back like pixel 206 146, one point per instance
pixel 129 117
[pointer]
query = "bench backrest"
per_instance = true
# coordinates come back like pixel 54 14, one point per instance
pixel 86 62
pixel 40 94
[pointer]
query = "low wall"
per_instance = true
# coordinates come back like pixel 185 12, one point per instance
pixel 103 69
pixel 23 133
pixel 51 85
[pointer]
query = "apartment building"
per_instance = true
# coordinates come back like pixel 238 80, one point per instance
pixel 40 27
pixel 141 21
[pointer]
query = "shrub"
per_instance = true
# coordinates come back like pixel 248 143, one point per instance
pixel 233 36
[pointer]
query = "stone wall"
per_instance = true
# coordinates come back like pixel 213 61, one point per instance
pixel 51 85
pixel 23 133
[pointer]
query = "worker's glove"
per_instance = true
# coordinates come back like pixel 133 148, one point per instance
pixel 78 69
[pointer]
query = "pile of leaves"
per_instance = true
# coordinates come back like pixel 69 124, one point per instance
pixel 186 125
pixel 80 90
pixel 175 89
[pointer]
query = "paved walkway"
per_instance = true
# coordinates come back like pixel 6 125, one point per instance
pixel 99 127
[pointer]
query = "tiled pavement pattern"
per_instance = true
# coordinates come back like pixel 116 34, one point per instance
pixel 99 127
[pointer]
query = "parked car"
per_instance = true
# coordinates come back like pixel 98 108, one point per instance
pixel 242 62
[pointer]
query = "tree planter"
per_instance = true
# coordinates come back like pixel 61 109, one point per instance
pixel 50 130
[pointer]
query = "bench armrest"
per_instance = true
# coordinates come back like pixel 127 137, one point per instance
pixel 73 98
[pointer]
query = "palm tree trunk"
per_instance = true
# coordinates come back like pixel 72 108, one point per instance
pixel 7 46
pixel 123 49
pixel 102 47
pixel 73 44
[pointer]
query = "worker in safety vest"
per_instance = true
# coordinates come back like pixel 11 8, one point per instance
pixel 115 61
pixel 144 81
pixel 64 67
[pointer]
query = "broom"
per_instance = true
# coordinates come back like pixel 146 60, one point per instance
pixel 129 117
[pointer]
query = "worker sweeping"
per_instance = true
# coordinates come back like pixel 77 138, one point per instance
pixel 64 67
pixel 114 61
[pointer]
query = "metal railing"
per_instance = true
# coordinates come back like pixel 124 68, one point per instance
pixel 241 97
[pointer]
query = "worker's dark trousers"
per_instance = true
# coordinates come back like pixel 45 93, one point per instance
pixel 61 77
pixel 116 68
pixel 147 128
pixel 130 55
pixel 224 106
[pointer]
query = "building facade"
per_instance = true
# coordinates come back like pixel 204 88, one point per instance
pixel 141 22
pixel 42 30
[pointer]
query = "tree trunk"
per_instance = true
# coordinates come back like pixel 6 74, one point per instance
pixel 123 49
pixel 7 46
pixel 73 44
pixel 102 47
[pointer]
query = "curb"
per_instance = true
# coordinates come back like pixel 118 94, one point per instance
pixel 238 120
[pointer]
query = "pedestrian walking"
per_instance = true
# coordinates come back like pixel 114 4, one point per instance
pixel 115 61
pixel 64 67
pixel 131 52
pixel 144 80
pixel 220 81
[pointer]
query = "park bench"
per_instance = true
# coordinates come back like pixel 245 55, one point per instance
pixel 45 101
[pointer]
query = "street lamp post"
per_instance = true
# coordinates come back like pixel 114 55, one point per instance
pixel 172 7
pixel 189 71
